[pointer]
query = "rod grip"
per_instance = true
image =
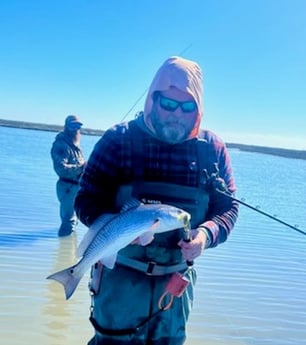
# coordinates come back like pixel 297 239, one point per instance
pixel 188 262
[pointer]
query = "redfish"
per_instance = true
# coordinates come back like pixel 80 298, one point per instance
pixel 112 232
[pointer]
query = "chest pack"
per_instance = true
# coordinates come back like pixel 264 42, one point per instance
pixel 193 199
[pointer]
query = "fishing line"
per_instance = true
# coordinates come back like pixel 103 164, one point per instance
pixel 146 90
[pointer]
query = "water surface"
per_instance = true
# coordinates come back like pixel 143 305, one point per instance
pixel 250 291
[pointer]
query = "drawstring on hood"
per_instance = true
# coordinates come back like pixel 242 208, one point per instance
pixel 185 75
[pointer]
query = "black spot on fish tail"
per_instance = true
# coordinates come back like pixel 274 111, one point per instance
pixel 67 278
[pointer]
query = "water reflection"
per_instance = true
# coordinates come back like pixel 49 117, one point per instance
pixel 57 311
pixel 8 239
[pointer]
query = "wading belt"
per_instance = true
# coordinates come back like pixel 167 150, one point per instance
pixel 150 268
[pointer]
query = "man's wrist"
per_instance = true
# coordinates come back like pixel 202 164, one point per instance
pixel 208 235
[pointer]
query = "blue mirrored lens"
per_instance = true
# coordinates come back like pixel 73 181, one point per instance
pixel 188 107
pixel 168 104
pixel 171 104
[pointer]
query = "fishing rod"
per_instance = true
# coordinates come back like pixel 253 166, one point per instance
pixel 217 183
pixel 146 90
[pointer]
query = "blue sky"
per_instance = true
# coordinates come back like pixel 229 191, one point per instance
pixel 96 58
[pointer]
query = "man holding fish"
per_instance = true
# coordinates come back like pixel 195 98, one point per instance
pixel 160 159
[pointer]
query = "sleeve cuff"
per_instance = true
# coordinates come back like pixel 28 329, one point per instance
pixel 208 236
pixel 210 229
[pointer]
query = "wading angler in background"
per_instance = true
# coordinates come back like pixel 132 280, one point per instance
pixel 68 163
pixel 160 156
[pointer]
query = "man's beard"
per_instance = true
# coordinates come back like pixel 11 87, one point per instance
pixel 172 132
pixel 75 136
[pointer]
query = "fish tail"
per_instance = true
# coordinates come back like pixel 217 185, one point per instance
pixel 68 279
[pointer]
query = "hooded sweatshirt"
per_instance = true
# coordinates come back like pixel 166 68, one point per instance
pixel 185 75
pixel 111 162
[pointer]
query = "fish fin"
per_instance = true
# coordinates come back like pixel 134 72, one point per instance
pixel 155 224
pixel 146 238
pixel 109 261
pixel 96 226
pixel 130 204
pixel 68 279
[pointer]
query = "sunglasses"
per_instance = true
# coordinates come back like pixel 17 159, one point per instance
pixel 171 104
pixel 74 126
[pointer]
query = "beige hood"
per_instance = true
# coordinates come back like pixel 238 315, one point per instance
pixel 185 75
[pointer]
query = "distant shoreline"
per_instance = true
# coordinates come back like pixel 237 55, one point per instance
pixel 44 127
pixel 289 153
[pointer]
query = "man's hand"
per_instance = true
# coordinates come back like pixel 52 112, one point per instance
pixel 191 250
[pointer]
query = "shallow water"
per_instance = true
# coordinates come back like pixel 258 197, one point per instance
pixel 250 291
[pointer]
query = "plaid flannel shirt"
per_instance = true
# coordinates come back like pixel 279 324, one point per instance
pixel 112 163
